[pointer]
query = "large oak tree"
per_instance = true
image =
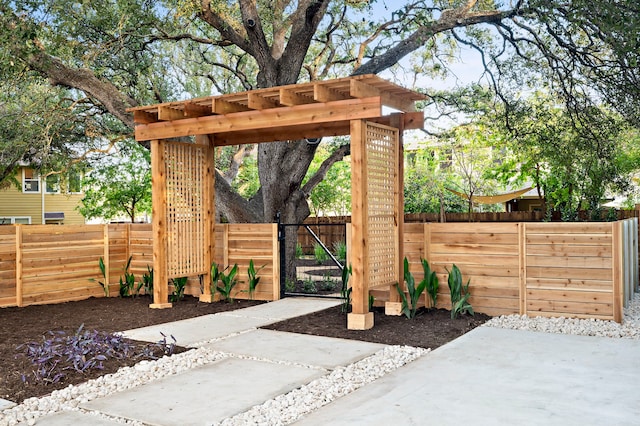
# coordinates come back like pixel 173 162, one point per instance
pixel 116 54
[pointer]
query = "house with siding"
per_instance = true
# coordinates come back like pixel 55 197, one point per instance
pixel 42 199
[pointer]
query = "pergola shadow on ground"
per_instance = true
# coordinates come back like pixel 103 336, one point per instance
pixel 183 174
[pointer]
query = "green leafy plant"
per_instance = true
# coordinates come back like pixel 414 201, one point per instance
pixel 254 279
pixel 372 300
pixel 179 285
pixel 319 253
pixel 228 281
pixel 459 294
pixel 410 306
pixel 299 252
pixel 340 250
pixel 309 286
pixel 345 292
pixel 289 285
pixel 146 284
pixel 103 271
pixel 432 284
pixel 128 284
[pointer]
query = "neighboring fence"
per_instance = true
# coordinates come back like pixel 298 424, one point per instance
pixel 585 270
pixel 332 234
pixel 53 263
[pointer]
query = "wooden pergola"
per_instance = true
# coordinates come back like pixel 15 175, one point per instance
pixel 183 174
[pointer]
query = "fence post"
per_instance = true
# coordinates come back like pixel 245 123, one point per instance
pixel 522 260
pixel 618 272
pixel 277 287
pixel 107 259
pixel 18 265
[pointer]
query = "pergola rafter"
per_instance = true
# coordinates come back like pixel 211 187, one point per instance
pixel 347 106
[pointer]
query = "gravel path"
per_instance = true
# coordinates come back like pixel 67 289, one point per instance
pixel 288 407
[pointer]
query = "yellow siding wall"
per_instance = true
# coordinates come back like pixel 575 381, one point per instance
pixel 13 202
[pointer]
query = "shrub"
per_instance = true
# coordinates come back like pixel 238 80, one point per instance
pixel 414 293
pixel 179 285
pixel 83 351
pixel 299 252
pixel 128 284
pixel 345 293
pixel 319 253
pixel 340 250
pixel 309 286
pixel 147 281
pixel 432 282
pixel 459 294
pixel 228 280
pixel 104 284
pixel 254 279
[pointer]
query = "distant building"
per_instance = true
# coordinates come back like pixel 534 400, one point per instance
pixel 42 200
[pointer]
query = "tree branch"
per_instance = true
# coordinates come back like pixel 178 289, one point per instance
pixel 319 176
pixel 449 19
pixel 83 79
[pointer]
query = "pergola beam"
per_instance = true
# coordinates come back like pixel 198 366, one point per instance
pixel 300 115
pixel 412 120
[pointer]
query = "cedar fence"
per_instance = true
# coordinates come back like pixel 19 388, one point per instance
pixel 52 263
pixel 583 269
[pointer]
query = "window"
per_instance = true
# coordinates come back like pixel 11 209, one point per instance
pixel 30 181
pixel 75 183
pixel 52 184
pixel 25 220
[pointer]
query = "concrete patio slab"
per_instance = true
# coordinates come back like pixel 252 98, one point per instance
pixel 285 308
pixel 319 351
pixel 67 418
pixel 191 331
pixel 494 376
pixel 5 404
pixel 194 330
pixel 205 394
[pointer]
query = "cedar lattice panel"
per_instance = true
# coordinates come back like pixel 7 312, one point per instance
pixel 381 146
pixel 185 169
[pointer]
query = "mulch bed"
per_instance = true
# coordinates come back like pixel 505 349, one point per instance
pixel 429 329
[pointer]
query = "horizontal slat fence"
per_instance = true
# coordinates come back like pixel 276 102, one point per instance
pixel 246 242
pixel 587 270
pixel 584 270
pixel 52 263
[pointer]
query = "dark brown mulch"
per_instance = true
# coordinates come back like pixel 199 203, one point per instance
pixel 429 329
pixel 32 323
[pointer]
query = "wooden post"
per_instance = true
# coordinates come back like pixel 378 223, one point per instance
pixel 522 260
pixel 209 212
pixel 159 223
pixel 107 260
pixel 618 274
pixel 360 318
pixel 275 262
pixel 426 248
pixel 19 265
pixel 394 306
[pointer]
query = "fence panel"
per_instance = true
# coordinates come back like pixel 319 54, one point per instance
pixel 7 265
pixel 246 242
pixel 59 261
pixel 570 269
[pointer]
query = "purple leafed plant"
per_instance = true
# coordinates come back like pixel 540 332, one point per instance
pixel 83 351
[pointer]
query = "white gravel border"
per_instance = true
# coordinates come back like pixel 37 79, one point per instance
pixel 629 329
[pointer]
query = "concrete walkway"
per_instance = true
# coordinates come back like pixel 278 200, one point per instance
pixel 487 377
